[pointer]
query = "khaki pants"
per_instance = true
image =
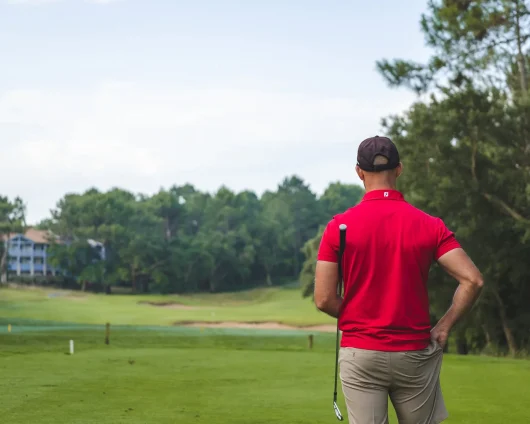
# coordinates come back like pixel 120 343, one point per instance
pixel 411 379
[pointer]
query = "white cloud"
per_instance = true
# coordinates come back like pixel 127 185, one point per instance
pixel 141 138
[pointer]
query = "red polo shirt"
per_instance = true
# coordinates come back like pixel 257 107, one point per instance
pixel 390 246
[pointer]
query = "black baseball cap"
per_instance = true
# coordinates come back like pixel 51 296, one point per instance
pixel 377 146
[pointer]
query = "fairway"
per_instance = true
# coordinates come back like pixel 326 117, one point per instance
pixel 156 372
pixel 209 376
pixel 283 305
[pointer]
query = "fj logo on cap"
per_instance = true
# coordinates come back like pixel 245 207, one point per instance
pixel 386 193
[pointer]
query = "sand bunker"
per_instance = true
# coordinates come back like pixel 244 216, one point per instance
pixel 257 326
pixel 169 305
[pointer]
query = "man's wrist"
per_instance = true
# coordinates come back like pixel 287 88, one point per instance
pixel 445 324
pixel 337 307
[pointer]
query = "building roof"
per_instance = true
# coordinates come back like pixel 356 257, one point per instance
pixel 45 237
pixel 36 236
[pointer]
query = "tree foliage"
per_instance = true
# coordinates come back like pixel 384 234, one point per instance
pixel 12 219
pixel 476 41
pixel 183 240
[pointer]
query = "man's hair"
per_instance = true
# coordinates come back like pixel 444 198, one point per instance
pixel 380 160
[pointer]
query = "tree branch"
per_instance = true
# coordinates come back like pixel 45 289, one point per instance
pixel 505 207
pixel 474 160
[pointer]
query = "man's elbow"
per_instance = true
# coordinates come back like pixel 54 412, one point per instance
pixel 322 303
pixel 476 281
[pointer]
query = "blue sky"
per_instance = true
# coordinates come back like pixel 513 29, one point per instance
pixel 145 94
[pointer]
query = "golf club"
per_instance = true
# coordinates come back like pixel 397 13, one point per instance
pixel 342 246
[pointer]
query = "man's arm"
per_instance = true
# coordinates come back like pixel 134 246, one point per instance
pixel 458 264
pixel 326 282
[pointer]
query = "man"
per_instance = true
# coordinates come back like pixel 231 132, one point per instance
pixel 388 347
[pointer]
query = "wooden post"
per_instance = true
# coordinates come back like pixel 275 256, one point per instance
pixel 107 333
pixel 310 341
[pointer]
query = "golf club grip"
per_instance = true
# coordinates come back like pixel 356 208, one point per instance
pixel 342 238
pixel 342 247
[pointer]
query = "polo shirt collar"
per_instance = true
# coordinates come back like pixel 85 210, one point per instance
pixel 383 195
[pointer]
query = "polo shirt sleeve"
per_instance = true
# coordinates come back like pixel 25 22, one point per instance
pixel 446 240
pixel 329 244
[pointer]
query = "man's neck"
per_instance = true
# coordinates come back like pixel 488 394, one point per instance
pixel 379 186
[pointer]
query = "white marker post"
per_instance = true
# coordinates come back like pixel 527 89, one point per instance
pixel 71 347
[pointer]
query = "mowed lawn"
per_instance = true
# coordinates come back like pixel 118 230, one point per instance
pixel 271 304
pixel 155 372
pixel 167 377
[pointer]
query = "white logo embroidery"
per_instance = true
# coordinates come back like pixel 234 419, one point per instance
pixel 386 193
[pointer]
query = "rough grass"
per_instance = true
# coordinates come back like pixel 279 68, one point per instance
pixel 203 377
pixel 273 304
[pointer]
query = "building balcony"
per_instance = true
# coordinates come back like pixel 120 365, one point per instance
pixel 14 251
pixel 25 267
pixel 27 253
pixel 14 267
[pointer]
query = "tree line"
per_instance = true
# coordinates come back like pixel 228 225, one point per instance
pixel 183 240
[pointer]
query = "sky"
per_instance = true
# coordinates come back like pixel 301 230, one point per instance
pixel 145 94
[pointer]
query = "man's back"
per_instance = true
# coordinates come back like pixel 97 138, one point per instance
pixel 390 248
pixel 388 349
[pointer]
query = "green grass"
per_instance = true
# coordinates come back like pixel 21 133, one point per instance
pixel 153 371
pixel 273 304
pixel 205 377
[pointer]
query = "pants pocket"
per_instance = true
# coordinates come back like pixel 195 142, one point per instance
pixel 346 354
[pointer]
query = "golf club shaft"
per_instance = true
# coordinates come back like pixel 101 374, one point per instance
pixel 336 365
pixel 339 292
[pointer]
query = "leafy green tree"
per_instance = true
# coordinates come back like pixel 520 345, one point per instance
pixel 305 213
pixel 338 198
pixel 12 219
pixel 474 41
pixel 78 260
pixel 307 275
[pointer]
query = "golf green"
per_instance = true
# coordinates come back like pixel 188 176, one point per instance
pixel 193 376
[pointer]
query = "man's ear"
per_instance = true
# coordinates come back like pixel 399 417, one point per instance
pixel 360 172
pixel 399 169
